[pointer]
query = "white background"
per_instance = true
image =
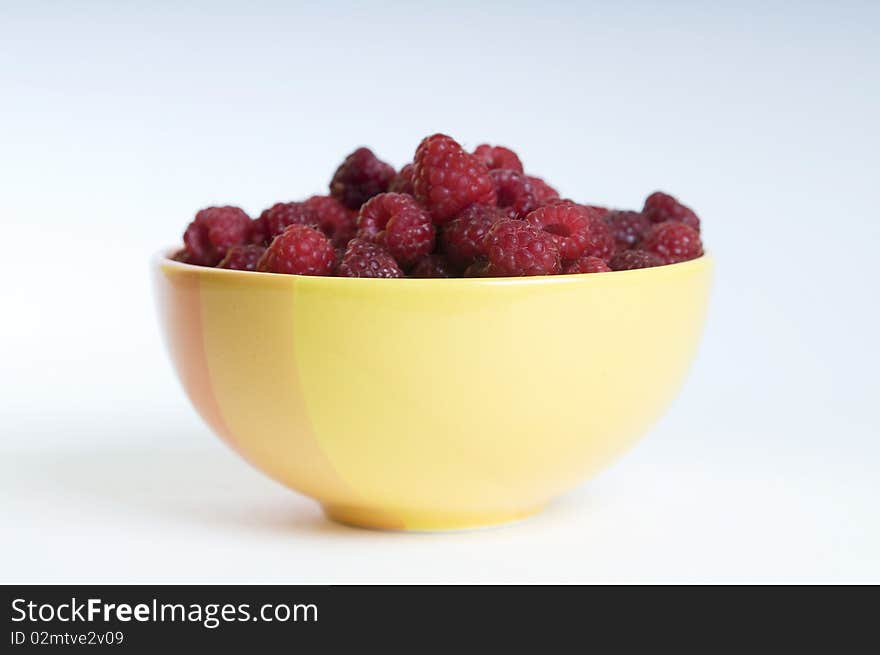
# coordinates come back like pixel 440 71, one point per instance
pixel 120 120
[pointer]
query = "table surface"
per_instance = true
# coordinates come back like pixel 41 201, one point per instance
pixel 680 507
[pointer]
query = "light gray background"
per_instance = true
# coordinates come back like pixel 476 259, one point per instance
pixel 121 119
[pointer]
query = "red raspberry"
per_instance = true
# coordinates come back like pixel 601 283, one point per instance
pixel 403 181
pixel 543 191
pixel 242 258
pixel 299 250
pixel 514 191
pixel 365 259
pixel 498 157
pixel 660 207
pixel 213 231
pixel 517 248
pixel 282 215
pixel 447 179
pixel 627 227
pixel 431 266
pixel 395 221
pixel 463 240
pixel 587 264
pixel 360 177
pixel 335 219
pixel 628 260
pixel 673 242
pixel 575 229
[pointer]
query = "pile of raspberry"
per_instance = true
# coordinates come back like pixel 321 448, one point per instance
pixel 448 213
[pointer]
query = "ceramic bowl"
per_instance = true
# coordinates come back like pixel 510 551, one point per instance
pixel 431 404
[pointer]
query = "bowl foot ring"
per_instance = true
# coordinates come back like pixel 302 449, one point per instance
pixel 424 520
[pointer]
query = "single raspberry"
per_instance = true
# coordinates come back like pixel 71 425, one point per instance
pixel 660 207
pixel 514 191
pixel 403 181
pixel 396 221
pixel 673 242
pixel 282 215
pixel 628 260
pixel 242 258
pixel 336 220
pixel 463 240
pixel 365 259
pixel 213 231
pixel 299 250
pixel 543 191
pixel 627 227
pixel 518 248
pixel 575 230
pixel 587 264
pixel 431 266
pixel 360 177
pixel 447 179
pixel 498 157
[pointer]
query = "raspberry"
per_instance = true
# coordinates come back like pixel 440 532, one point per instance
pixel 282 215
pixel 587 264
pixel 447 179
pixel 360 177
pixel 673 242
pixel 365 259
pixel 395 221
pixel 543 191
pixel 431 266
pixel 575 230
pixel 627 227
pixel 242 258
pixel 628 260
pixel 498 157
pixel 299 250
pixel 335 219
pixel 213 231
pixel 514 192
pixel 403 181
pixel 517 248
pixel 660 207
pixel 463 239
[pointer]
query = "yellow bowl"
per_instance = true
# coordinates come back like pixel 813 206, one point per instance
pixel 431 404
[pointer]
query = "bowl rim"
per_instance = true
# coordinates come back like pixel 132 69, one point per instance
pixel 162 259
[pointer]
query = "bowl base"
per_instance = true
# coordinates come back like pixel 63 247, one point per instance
pixel 424 520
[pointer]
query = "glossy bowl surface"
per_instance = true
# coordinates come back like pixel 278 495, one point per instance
pixel 431 404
